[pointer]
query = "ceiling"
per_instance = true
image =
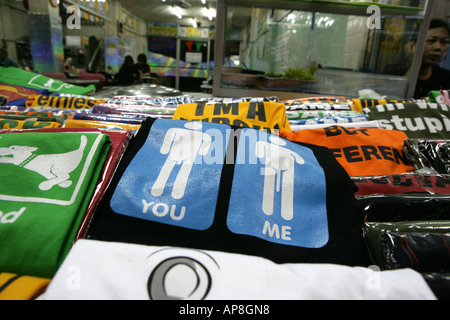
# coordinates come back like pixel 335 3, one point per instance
pixel 161 11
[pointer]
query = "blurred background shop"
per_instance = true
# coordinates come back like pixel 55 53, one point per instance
pixel 284 48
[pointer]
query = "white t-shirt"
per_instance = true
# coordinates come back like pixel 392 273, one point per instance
pixel 119 271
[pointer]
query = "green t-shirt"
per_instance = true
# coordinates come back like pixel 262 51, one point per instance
pixel 19 77
pixel 418 120
pixel 46 182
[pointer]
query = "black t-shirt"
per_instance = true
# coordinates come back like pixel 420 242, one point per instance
pixel 424 252
pixel 440 79
pixel 217 187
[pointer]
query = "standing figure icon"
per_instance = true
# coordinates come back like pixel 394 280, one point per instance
pixel 181 147
pixel 163 181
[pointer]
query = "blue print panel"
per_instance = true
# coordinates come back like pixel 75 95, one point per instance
pixel 174 178
pixel 278 192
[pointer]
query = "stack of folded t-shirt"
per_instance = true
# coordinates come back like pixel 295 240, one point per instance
pixel 123 271
pixel 48 179
pixel 217 187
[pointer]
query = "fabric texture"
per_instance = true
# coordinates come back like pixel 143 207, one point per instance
pixel 416 119
pixel 62 102
pixel 119 142
pixel 429 155
pixel 414 183
pixel 72 123
pixel 17 287
pixel 47 182
pixel 257 115
pixel 108 117
pixel 134 110
pixel 18 95
pixel 381 236
pixel 439 96
pixel 119 271
pixel 19 77
pixel 330 120
pixel 440 79
pixel 360 104
pixel 26 124
pixel 363 151
pixel 41 115
pixel 308 114
pixel 424 252
pixel 246 206
pixel 392 207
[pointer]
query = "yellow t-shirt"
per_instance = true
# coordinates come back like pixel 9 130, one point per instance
pixel 256 115
pixel 15 287
pixel 100 124
pixel 26 124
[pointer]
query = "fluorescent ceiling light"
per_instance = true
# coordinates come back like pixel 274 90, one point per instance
pixel 210 13
pixel 177 12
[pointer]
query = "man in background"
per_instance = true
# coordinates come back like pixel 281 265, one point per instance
pixel 431 75
pixel 5 60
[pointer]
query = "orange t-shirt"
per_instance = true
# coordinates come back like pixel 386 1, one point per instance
pixel 361 151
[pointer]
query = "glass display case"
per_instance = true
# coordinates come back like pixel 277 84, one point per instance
pixel 304 48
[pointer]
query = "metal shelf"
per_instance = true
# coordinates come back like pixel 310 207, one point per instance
pixel 322 6
pixel 325 6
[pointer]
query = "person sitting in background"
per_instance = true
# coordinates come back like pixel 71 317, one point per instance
pixel 143 66
pixel 431 75
pixel 69 67
pixel 128 73
pixel 5 60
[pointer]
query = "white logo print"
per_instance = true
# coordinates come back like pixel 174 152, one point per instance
pixel 180 274
pixel 54 167
pixel 278 175
pixel 181 147
pixel 48 83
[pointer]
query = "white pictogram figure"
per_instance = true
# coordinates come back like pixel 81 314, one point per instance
pixel 38 81
pixel 54 167
pixel 181 147
pixel 279 166
pixel 49 83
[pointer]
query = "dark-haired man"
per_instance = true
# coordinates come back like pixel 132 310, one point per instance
pixel 431 75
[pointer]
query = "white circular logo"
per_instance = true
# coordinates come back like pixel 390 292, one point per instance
pixel 177 276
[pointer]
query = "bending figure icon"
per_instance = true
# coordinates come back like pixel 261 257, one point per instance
pixel 278 175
